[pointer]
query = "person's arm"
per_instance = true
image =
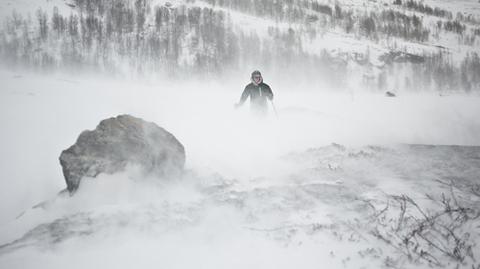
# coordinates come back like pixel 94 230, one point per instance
pixel 243 98
pixel 269 93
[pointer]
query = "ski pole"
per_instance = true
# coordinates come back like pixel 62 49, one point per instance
pixel 274 109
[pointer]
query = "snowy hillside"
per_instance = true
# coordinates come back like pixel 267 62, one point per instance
pixel 350 215
pixel 276 194
pixel 379 45
pixel 369 156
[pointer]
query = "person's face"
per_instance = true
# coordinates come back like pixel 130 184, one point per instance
pixel 257 78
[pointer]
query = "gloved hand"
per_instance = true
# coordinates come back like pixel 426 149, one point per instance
pixel 237 105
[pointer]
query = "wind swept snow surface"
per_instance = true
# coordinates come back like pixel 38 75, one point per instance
pixel 338 180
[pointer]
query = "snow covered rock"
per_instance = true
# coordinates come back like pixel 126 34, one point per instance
pixel 117 142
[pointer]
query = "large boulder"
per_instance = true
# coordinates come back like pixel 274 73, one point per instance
pixel 118 142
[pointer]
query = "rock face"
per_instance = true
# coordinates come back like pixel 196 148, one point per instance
pixel 117 142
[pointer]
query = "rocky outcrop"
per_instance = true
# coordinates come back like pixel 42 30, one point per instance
pixel 118 142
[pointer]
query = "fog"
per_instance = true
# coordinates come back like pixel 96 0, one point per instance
pixel 42 115
pixel 176 224
pixel 338 175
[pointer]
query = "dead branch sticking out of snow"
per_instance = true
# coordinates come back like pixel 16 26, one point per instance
pixel 431 234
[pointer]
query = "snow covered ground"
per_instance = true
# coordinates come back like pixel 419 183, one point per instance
pixel 274 193
pixel 336 179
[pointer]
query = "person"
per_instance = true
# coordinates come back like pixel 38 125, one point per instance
pixel 259 92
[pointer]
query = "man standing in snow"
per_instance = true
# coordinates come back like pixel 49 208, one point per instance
pixel 258 92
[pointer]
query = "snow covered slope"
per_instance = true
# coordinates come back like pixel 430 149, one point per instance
pixel 340 208
pixel 271 194
pixel 341 177
pixel 379 45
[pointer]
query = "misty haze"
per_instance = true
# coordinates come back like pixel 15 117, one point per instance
pixel 240 134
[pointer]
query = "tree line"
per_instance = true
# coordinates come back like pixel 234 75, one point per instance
pixel 133 36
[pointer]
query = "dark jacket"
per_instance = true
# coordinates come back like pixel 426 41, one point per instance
pixel 258 95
